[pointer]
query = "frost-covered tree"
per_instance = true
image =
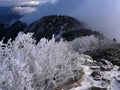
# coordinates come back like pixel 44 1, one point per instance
pixel 90 43
pixel 26 66
pixel 84 44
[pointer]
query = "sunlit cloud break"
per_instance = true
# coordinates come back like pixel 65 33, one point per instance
pixel 23 7
pixel 20 2
pixel 24 10
pixel 27 6
pixel 27 3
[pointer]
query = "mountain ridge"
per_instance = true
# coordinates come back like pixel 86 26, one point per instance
pixel 60 26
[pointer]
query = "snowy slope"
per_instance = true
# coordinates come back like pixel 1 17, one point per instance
pixel 88 81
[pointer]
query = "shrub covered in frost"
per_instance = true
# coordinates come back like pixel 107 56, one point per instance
pixel 84 44
pixel 26 66
pixel 111 52
pixel 98 48
pixel 89 43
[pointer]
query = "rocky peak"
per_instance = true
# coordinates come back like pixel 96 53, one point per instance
pixel 65 27
pixel 55 23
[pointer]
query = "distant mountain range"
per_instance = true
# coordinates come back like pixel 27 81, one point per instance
pixel 13 13
pixel 7 14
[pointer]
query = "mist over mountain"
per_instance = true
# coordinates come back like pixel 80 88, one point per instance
pixel 100 15
pixel 7 15
pixel 11 11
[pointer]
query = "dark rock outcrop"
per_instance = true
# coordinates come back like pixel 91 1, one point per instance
pixel 97 75
pixel 98 88
pixel 105 65
pixel 2 26
pixel 2 34
pixel 110 53
pixel 2 31
pixel 118 78
pixel 12 31
pixel 71 35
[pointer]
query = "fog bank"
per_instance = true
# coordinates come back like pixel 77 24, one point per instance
pixel 101 15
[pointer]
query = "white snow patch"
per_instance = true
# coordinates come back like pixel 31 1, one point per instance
pixel 88 81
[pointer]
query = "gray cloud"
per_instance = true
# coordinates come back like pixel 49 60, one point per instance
pixel 102 15
pixel 14 2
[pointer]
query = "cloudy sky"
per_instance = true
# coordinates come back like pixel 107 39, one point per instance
pixel 24 6
pixel 14 2
pixel 103 15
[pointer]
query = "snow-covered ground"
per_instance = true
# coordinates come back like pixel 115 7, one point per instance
pixel 89 82
pixel 25 66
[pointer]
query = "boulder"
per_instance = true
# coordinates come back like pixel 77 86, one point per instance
pixel 96 75
pixel 118 78
pixel 107 81
pixel 119 69
pixel 95 67
pixel 105 65
pixel 98 88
